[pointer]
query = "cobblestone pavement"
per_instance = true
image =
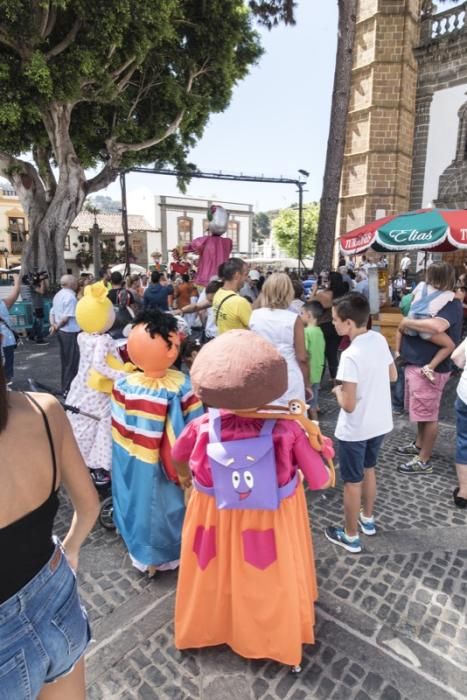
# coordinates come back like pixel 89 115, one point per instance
pixel 391 622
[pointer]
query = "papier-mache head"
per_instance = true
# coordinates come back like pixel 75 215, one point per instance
pixel 239 370
pixel 94 311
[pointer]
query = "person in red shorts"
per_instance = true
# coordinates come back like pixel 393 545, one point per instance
pixel 422 398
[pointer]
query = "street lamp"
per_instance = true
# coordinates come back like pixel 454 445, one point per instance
pixel 5 252
pixel 300 184
pixel 95 232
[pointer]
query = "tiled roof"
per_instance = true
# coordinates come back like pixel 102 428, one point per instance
pixel 110 223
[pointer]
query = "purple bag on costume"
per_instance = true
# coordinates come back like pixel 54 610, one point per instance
pixel 243 471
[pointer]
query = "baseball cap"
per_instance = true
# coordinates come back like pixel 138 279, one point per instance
pixel 254 275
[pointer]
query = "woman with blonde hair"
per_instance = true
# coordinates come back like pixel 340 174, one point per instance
pixel 272 320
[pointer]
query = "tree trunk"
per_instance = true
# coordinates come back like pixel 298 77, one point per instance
pixel 336 139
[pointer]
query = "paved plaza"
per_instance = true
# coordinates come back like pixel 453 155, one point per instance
pixel 391 622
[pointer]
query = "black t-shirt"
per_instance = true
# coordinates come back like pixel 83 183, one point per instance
pixel 113 295
pixel 419 352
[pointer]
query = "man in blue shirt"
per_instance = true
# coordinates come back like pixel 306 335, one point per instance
pixel 63 322
pixel 158 296
pixel 423 398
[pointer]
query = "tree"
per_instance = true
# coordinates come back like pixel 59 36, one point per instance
pixel 261 227
pixel 285 229
pixel 107 85
pixel 337 131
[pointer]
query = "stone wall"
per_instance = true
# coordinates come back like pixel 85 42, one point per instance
pixel 378 155
pixel 442 61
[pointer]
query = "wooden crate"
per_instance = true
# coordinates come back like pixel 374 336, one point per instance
pixel 388 321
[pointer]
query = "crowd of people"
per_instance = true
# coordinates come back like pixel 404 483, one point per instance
pixel 242 389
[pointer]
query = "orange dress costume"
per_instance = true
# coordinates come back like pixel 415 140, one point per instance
pixel 247 577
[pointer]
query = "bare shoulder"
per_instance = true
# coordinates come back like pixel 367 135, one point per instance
pixel 50 405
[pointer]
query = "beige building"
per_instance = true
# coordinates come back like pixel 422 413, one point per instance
pixel 77 241
pixel 13 226
pixel 179 219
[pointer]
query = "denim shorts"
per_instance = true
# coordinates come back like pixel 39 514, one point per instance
pixel 44 631
pixel 461 431
pixel 355 457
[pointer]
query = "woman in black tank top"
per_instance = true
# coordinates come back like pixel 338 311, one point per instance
pixel 38 454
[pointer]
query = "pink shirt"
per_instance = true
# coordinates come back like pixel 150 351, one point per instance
pixel 291 446
pixel 213 251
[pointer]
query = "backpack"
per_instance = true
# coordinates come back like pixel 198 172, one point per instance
pixel 244 471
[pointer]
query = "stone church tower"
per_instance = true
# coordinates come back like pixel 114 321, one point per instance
pixel 405 51
pixel 379 143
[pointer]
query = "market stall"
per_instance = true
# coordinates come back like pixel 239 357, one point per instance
pixel 425 230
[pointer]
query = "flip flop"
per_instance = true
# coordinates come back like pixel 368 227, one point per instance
pixel 428 373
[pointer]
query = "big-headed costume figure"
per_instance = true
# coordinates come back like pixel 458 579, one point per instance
pixel 99 366
pixel 247 574
pixel 149 411
pixel 213 250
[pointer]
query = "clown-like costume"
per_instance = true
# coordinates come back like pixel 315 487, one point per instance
pixel 148 414
pixel 99 366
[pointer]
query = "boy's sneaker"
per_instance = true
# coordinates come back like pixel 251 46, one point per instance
pixel 409 449
pixel 337 535
pixel 367 525
pixel 415 466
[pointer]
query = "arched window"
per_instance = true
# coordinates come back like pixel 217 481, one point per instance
pixel 185 229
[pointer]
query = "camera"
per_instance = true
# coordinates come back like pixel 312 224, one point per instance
pixel 35 278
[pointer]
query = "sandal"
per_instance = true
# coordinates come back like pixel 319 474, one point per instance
pixel 428 373
pixel 458 500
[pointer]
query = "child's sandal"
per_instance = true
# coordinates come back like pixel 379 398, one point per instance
pixel 428 373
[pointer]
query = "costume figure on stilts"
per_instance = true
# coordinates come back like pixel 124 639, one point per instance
pixel 247 575
pixel 213 250
pixel 149 411
pixel 99 366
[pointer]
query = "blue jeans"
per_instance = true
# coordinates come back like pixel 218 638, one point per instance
pixel 43 631
pixel 398 390
pixel 9 355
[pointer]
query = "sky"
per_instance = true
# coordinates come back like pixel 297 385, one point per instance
pixel 277 122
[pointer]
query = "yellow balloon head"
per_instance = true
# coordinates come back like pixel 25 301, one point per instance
pixel 94 312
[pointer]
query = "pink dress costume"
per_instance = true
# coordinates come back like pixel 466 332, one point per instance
pixel 212 251
pixel 231 557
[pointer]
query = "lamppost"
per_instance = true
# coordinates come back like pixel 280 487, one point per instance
pixel 300 185
pixel 95 232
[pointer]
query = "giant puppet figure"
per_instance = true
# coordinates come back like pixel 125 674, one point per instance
pixel 149 411
pixel 247 575
pixel 213 250
pixel 100 365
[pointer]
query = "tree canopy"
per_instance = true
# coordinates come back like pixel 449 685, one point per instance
pixel 107 85
pixel 285 229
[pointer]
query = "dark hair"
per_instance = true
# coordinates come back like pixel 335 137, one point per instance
pixel 315 308
pixel 353 307
pixel 186 278
pixel 441 276
pixel 155 276
pixel 213 287
pixel 337 285
pixel 3 400
pixel 189 346
pixel 230 268
pixel 298 289
pixel 157 323
pixel 116 278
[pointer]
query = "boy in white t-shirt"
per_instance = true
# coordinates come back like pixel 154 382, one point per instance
pixel 366 369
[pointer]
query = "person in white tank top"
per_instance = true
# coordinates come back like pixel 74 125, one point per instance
pixel 272 320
